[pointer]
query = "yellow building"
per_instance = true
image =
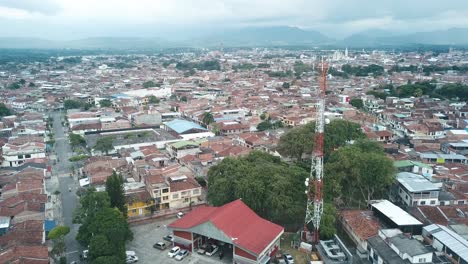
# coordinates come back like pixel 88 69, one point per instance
pixel 139 204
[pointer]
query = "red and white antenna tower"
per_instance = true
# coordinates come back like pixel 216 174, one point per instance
pixel 314 183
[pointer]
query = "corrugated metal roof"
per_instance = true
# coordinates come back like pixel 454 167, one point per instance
pixel 399 216
pixel 181 126
pixel 415 182
pixel 450 239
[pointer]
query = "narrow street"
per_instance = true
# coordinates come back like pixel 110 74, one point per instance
pixel 67 186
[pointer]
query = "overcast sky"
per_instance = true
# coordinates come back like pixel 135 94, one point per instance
pixel 71 19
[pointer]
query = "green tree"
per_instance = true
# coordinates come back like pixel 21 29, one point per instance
pixel 58 232
pixel 116 192
pixel 357 102
pixel 264 116
pixel 285 85
pixel 72 104
pixel 153 100
pixel 264 125
pixel 299 140
pixel 105 103
pixel 358 173
pixel 100 246
pixel 104 144
pixel 57 235
pixel 207 118
pixel 4 111
pixel 183 99
pixel 22 81
pixel 31 84
pixel 328 221
pixel 76 140
pixel 149 84
pixel 90 204
pixel 271 187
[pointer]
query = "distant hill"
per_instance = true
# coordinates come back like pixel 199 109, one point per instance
pixel 453 36
pixel 265 36
pixel 250 37
pixel 27 43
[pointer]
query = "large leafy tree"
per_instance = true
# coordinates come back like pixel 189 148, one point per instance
pixel 76 140
pixel 104 144
pixel 358 173
pixel 299 140
pixel 104 229
pixel 271 187
pixel 116 192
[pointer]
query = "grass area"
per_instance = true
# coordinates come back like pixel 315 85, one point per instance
pixel 299 257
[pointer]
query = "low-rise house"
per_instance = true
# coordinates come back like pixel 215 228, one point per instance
pixel 447 242
pixel 23 207
pixel 182 148
pixel 415 189
pixel 15 155
pixel 360 225
pixel 139 203
pixel 25 254
pixel 392 246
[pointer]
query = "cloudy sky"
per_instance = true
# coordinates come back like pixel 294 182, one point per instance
pixel 71 19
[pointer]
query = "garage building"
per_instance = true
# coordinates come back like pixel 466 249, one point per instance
pixel 239 231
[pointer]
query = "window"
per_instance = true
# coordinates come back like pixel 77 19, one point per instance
pixel 442 203
pixel 184 193
pixel 20 156
pixel 433 202
pixel 134 211
pixel 186 200
pixel 460 202
pixel 401 191
pixel 175 196
pixel 422 260
pixel 165 198
pixel 165 190
pixel 196 191
pixel 28 156
pixel 423 202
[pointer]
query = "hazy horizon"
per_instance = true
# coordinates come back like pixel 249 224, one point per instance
pixel 178 19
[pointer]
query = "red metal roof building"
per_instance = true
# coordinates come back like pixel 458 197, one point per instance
pixel 251 238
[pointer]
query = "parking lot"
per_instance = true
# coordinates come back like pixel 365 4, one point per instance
pixel 145 236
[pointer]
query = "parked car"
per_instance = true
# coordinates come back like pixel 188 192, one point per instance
pixel 130 253
pixel 160 245
pixel 181 255
pixel 173 252
pixel 202 250
pixel 180 215
pixel 169 238
pixel 288 258
pixel 211 250
pixel 131 259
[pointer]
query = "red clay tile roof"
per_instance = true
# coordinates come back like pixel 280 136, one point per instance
pixel 29 232
pixel 236 220
pixel 25 255
pixel 188 184
pixel 363 223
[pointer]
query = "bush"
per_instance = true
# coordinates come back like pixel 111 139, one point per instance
pixel 201 181
pixel 78 158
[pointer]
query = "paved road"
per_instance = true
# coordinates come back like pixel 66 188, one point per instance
pixel 69 198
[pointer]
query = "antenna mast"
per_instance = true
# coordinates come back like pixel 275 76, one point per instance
pixel 314 209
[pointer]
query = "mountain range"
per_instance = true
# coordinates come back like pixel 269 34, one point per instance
pixel 252 37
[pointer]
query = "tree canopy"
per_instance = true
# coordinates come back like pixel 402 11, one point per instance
pixel 153 100
pixel 72 104
pixel 5 111
pixel 116 192
pixel 76 140
pixel 207 118
pixel 357 102
pixel 104 144
pixel 105 103
pixel 58 232
pixel 299 140
pixel 269 186
pixel 358 173
pixel 104 229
